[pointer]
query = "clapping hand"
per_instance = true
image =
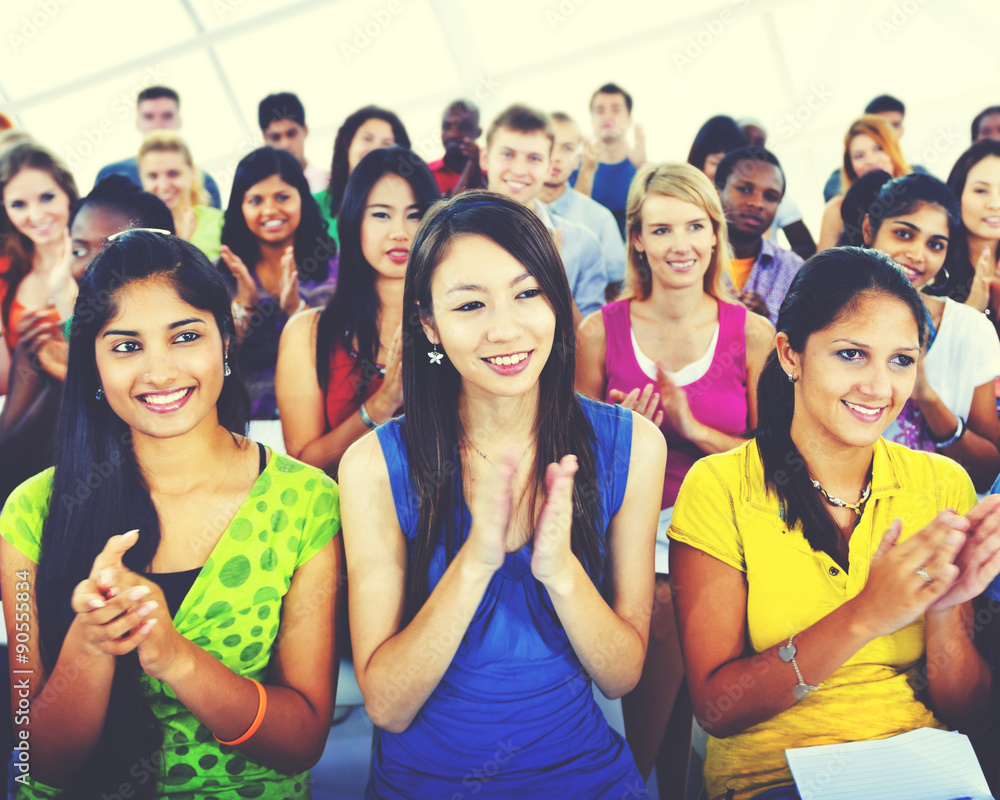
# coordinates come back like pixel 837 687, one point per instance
pixel 552 555
pixel 288 296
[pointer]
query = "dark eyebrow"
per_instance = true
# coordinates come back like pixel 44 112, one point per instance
pixel 861 346
pixel 913 227
pixel 471 287
pixel 179 324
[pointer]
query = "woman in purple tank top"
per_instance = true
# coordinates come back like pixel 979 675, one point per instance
pixel 679 350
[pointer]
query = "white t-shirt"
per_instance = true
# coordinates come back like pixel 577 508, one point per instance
pixel 965 354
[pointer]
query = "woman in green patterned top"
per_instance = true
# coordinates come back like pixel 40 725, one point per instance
pixel 192 655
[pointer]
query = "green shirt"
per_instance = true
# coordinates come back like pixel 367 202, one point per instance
pixel 323 198
pixel 207 235
pixel 232 611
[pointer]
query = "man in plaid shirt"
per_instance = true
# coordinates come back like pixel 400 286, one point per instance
pixel 751 184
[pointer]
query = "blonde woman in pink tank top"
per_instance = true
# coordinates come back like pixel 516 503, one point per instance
pixel 678 349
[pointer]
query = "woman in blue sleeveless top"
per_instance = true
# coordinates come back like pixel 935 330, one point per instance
pixel 499 537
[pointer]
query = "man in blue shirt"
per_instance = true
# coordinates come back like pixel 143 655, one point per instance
pixel 516 163
pixel 566 203
pixel 157 108
pixel 608 164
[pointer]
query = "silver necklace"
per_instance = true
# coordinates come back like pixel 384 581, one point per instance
pixel 836 501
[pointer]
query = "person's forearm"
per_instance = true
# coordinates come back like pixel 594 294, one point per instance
pixel 711 441
pixel 958 679
pixel 976 453
pixel 610 649
pixel 585 180
pixel 767 682
pixel 470 178
pixel 292 734
pixel 326 451
pixel 65 723
pixel 406 668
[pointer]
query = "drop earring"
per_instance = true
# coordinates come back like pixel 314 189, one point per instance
pixel 226 371
pixel 99 394
pixel 434 355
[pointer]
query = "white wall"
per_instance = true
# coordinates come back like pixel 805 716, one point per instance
pixel 69 69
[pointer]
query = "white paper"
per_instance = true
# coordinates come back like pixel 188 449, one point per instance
pixel 923 764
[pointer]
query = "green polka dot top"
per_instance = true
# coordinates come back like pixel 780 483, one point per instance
pixel 232 611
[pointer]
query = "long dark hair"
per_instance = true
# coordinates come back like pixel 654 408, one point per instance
pixel 960 267
pixel 353 310
pixel 313 246
pixel 827 287
pixel 720 134
pixel 340 168
pixel 93 442
pixel 433 428
pixel 17 247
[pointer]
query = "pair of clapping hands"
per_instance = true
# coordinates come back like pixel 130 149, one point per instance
pixel 658 400
pixel 119 611
pixel 552 558
pixel 246 289
pixel 945 564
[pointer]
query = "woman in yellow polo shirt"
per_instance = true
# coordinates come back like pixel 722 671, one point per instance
pixel 823 575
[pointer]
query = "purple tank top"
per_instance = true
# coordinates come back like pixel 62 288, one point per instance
pixel 717 399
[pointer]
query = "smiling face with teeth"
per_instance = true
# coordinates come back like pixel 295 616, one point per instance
pixel 853 376
pixel 273 210
pixel 678 239
pixel 491 318
pixel 160 362
pixel 516 163
pixel 981 200
pixel 37 206
pixel 916 241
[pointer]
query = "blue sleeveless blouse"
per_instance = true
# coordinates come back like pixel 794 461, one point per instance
pixel 514 714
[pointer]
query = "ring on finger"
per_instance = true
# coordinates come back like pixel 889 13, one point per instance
pixel 923 573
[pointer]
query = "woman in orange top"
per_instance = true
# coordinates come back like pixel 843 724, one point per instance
pixel 37 191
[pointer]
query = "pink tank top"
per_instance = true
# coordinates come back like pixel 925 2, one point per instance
pixel 717 399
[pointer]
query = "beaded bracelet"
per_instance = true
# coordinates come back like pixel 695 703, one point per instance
pixel 261 708
pixel 786 654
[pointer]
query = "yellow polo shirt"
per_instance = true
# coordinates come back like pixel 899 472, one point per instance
pixel 725 510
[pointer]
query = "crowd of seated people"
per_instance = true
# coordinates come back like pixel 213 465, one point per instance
pixel 554 416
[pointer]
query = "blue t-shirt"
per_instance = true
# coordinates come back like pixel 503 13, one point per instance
pixel 514 715
pixel 610 189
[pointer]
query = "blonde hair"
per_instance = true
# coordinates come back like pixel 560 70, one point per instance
pixel 875 127
pixel 689 184
pixel 169 142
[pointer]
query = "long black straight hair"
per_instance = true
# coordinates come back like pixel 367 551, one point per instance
pixel 340 167
pixel 433 427
pixel 826 288
pixel 352 312
pixel 960 262
pixel 313 246
pixel 98 489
